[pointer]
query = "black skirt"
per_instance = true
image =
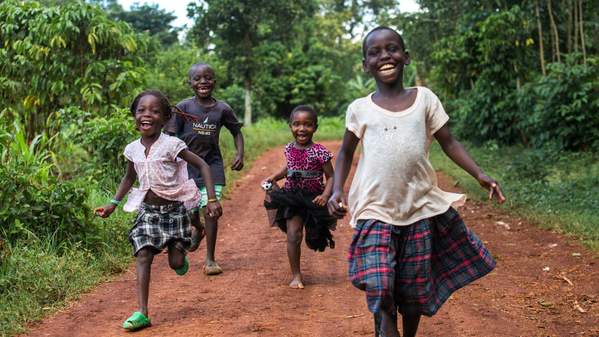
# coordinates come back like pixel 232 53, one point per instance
pixel 318 222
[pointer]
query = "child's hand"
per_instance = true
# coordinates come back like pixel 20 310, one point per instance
pixel 337 205
pixel 493 187
pixel 320 200
pixel 105 211
pixel 237 163
pixel 214 209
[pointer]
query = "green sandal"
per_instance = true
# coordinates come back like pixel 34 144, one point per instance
pixel 136 321
pixel 184 268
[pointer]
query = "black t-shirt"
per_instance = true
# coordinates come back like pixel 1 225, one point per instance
pixel 202 136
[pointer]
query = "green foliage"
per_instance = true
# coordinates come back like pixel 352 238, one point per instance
pixel 39 275
pixel 555 189
pixel 104 138
pixel 56 56
pixel 566 105
pixel 33 200
pixel 149 19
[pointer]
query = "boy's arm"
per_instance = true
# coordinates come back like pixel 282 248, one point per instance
pixel 456 152
pixel 124 187
pixel 337 203
pixel 239 146
pixel 214 208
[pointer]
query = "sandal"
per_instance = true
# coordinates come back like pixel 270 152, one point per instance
pixel 213 269
pixel 184 268
pixel 136 321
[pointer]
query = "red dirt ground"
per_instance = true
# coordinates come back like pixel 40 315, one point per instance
pixel 544 284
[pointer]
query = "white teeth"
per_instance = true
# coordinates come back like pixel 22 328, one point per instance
pixel 386 67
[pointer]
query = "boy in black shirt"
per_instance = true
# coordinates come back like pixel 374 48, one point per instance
pixel 202 137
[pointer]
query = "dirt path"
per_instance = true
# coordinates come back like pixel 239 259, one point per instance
pixel 544 284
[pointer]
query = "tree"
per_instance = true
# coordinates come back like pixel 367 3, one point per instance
pixel 238 29
pixel 57 56
pixel 149 19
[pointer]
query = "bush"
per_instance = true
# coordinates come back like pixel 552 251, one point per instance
pixel 104 138
pixel 32 198
pixel 566 109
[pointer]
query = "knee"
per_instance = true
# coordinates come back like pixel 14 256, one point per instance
pixel 294 236
pixel 144 256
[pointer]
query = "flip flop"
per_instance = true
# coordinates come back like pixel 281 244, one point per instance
pixel 184 268
pixel 136 321
pixel 213 269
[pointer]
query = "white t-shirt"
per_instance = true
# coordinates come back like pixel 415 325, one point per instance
pixel 395 182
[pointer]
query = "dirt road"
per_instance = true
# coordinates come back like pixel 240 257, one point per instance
pixel 544 284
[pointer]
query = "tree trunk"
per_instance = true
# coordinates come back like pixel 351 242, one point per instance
pixel 580 15
pixel 576 20
pixel 569 30
pixel 541 48
pixel 555 33
pixel 247 115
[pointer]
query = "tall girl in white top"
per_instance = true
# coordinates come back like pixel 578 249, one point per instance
pixel 158 161
pixel 410 248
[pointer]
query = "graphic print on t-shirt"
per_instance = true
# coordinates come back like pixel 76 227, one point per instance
pixel 205 128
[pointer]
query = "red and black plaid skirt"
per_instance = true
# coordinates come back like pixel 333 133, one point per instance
pixel 417 266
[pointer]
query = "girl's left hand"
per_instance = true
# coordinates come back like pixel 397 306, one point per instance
pixel 105 211
pixel 214 209
pixel 320 200
pixel 237 163
pixel 493 187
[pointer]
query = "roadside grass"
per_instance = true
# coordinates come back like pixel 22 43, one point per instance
pixel 554 189
pixel 38 276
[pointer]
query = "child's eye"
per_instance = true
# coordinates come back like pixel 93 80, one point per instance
pixel 372 51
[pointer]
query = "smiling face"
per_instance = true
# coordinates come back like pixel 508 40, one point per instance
pixel 303 126
pixel 149 117
pixel 202 80
pixel 384 56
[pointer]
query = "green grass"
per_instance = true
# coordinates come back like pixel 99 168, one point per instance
pixel 38 276
pixel 553 189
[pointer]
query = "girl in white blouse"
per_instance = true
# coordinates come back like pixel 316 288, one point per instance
pixel 159 162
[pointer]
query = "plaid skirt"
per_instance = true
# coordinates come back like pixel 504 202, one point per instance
pixel 158 226
pixel 416 267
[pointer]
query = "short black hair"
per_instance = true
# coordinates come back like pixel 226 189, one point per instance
pixel 165 106
pixel 306 108
pixel 195 65
pixel 376 29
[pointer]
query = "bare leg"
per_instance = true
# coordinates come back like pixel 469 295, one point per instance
pixel 211 231
pixel 143 267
pixel 176 257
pixel 197 231
pixel 386 320
pixel 294 250
pixel 410 325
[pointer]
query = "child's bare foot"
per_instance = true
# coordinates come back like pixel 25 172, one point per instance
pixel 212 268
pixel 296 282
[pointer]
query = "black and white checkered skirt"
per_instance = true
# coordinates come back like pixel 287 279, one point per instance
pixel 159 226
